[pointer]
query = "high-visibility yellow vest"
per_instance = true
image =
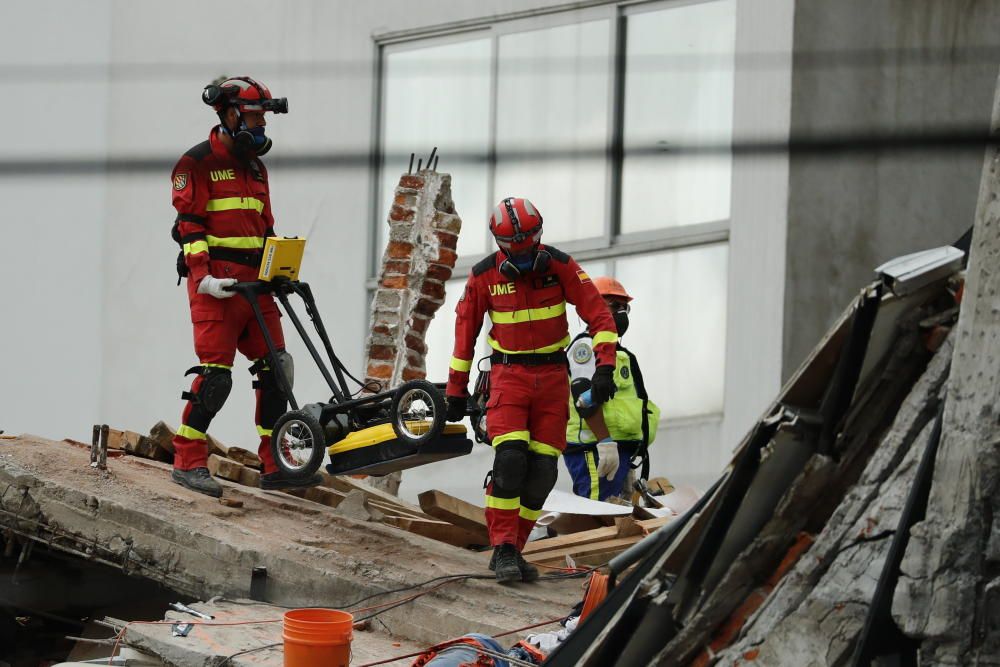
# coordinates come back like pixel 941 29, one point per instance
pixel 623 413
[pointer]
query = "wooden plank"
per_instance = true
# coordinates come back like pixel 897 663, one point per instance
pixel 347 484
pixel 453 510
pixel 213 463
pixel 250 477
pixel 324 496
pixel 395 510
pixel 230 470
pixel 627 528
pixel 163 435
pixel 116 439
pixel 558 556
pixel 441 531
pixel 216 447
pixel 244 457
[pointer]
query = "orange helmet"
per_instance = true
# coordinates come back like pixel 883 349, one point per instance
pixel 608 286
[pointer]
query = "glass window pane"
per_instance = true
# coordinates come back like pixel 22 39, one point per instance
pixel 552 96
pixel 440 96
pixel 677 326
pixel 678 91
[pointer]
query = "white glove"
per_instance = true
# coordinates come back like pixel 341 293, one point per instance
pixel 214 286
pixel 607 459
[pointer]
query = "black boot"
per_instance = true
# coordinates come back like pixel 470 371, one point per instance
pixel 528 571
pixel 275 480
pixel 506 567
pixel 198 479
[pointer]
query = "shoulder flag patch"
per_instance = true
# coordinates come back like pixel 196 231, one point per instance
pixel 180 181
pixel 582 275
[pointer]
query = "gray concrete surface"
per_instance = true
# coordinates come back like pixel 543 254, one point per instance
pixel 132 516
pixel 882 66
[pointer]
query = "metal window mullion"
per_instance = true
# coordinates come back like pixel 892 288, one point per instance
pixel 491 149
pixel 616 152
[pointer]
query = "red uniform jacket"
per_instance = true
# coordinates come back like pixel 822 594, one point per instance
pixel 528 313
pixel 223 210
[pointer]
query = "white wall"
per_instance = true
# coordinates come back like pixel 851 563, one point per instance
pixel 53 225
pixel 759 219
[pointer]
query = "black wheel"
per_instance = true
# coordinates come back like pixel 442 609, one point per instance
pixel 417 412
pixel 298 444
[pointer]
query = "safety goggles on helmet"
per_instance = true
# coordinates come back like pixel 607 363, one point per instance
pixel 243 93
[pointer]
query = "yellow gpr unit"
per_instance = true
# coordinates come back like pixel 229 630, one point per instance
pixel 377 451
pixel 282 257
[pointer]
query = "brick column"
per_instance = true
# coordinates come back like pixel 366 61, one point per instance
pixel 419 258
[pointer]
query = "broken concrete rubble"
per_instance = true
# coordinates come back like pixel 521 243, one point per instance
pixel 781 561
pixel 948 596
pixel 133 518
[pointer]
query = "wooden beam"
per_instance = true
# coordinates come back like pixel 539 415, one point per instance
pixel 437 530
pixel 347 484
pixel 244 457
pixel 163 435
pixel 453 510
pixel 626 528
pixel 593 554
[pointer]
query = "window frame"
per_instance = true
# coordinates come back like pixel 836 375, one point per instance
pixel 611 243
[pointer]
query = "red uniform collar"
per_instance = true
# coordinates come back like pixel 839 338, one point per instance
pixel 218 148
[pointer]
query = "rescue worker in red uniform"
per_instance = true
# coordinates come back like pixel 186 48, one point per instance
pixel 525 288
pixel 223 207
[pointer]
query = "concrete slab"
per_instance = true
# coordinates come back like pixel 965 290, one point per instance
pixel 243 625
pixel 133 517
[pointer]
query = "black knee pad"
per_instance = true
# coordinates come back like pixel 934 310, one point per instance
pixel 216 383
pixel 510 467
pixel 267 378
pixel 542 473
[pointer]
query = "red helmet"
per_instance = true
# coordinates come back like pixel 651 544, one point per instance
pixel 516 226
pixel 245 94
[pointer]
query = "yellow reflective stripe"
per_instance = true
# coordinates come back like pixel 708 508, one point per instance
pixel 195 247
pixel 235 203
pixel 191 434
pixel 513 435
pixel 503 503
pixel 529 514
pixel 241 242
pixel 605 337
pixel 595 493
pixel 555 347
pixel 461 365
pixel 215 365
pixel 263 431
pixel 528 314
pixel 542 448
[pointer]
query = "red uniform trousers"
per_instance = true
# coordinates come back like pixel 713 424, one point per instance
pixel 221 327
pixel 527 409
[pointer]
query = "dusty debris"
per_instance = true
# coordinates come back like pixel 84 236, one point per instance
pixel 148 526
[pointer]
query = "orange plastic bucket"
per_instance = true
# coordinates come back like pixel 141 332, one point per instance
pixel 317 637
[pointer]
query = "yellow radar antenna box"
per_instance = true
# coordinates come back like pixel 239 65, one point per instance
pixel 282 257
